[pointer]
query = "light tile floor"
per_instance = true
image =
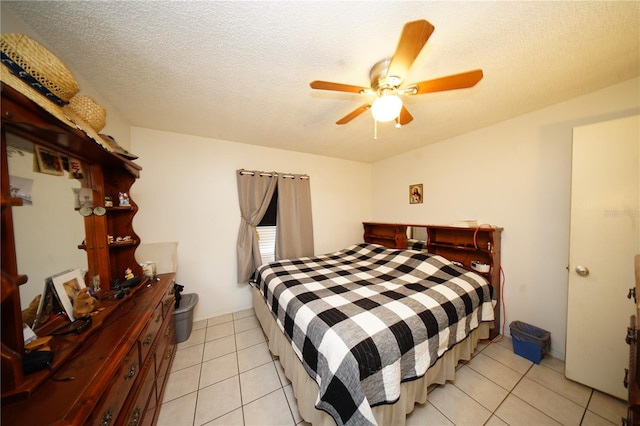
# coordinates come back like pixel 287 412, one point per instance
pixel 225 375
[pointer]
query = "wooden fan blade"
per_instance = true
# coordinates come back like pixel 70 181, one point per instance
pixel 413 38
pixel 451 82
pixel 404 117
pixel 338 87
pixel 353 114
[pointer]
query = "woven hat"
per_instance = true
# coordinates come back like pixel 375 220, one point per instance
pixel 37 73
pixel 89 117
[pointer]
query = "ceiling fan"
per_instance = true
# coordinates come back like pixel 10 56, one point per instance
pixel 388 75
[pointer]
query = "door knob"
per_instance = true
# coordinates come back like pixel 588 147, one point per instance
pixel 582 270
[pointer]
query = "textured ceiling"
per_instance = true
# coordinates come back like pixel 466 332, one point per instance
pixel 240 71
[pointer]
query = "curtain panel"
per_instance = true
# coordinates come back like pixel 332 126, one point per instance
pixel 294 225
pixel 255 190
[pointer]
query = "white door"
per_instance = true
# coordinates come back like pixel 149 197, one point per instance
pixel 605 236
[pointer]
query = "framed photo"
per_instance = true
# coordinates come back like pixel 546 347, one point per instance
pixel 21 188
pixel 75 169
pixel 67 285
pixel 49 305
pixel 49 162
pixel 415 194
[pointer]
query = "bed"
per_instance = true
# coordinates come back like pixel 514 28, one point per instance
pixel 362 332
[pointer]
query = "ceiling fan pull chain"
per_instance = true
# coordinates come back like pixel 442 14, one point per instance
pixel 375 129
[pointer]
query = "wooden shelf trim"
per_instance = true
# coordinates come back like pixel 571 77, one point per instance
pixel 18 117
pixel 11 202
pixel 114 245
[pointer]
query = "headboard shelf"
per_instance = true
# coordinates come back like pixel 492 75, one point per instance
pixel 392 235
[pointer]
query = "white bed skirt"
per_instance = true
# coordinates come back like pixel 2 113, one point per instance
pixel 306 389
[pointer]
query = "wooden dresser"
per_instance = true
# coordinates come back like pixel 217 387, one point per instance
pixel 115 372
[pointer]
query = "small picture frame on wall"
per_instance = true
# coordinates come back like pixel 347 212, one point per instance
pixel 75 169
pixel 49 162
pixel 415 194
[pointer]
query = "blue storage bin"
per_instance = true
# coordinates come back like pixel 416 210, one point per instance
pixel 530 341
pixel 528 350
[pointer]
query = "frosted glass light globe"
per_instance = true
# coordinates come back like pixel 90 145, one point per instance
pixel 386 108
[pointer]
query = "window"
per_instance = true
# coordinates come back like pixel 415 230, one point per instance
pixel 267 231
pixel 267 243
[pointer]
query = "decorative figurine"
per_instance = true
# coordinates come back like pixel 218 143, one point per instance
pixel 108 202
pixel 123 198
pixel 128 274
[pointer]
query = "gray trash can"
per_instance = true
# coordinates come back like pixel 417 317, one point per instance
pixel 183 316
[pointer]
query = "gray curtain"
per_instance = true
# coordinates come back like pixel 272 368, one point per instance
pixel 294 232
pixel 255 190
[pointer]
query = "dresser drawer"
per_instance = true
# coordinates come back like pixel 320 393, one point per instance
pixel 169 300
pixel 148 336
pixel 152 410
pixel 165 352
pixel 110 404
pixel 135 412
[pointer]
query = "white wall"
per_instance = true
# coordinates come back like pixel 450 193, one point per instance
pixel 516 175
pixel 188 193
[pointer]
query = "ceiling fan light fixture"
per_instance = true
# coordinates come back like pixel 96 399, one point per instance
pixel 386 108
pixel 387 77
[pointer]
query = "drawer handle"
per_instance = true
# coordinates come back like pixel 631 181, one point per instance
pixel 168 354
pixel 106 418
pixel 132 371
pixel 159 317
pixel 135 417
pixel 147 340
pixel 167 331
pixel 625 382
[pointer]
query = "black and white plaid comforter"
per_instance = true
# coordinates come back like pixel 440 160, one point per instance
pixel 365 319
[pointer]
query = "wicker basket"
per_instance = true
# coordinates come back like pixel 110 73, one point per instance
pixel 40 64
pixel 92 113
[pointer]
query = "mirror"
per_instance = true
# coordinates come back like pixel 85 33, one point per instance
pixel 49 230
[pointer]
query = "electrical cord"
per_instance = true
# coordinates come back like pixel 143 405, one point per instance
pixel 503 313
pixel 74 327
pixel 79 326
pixel 475 234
